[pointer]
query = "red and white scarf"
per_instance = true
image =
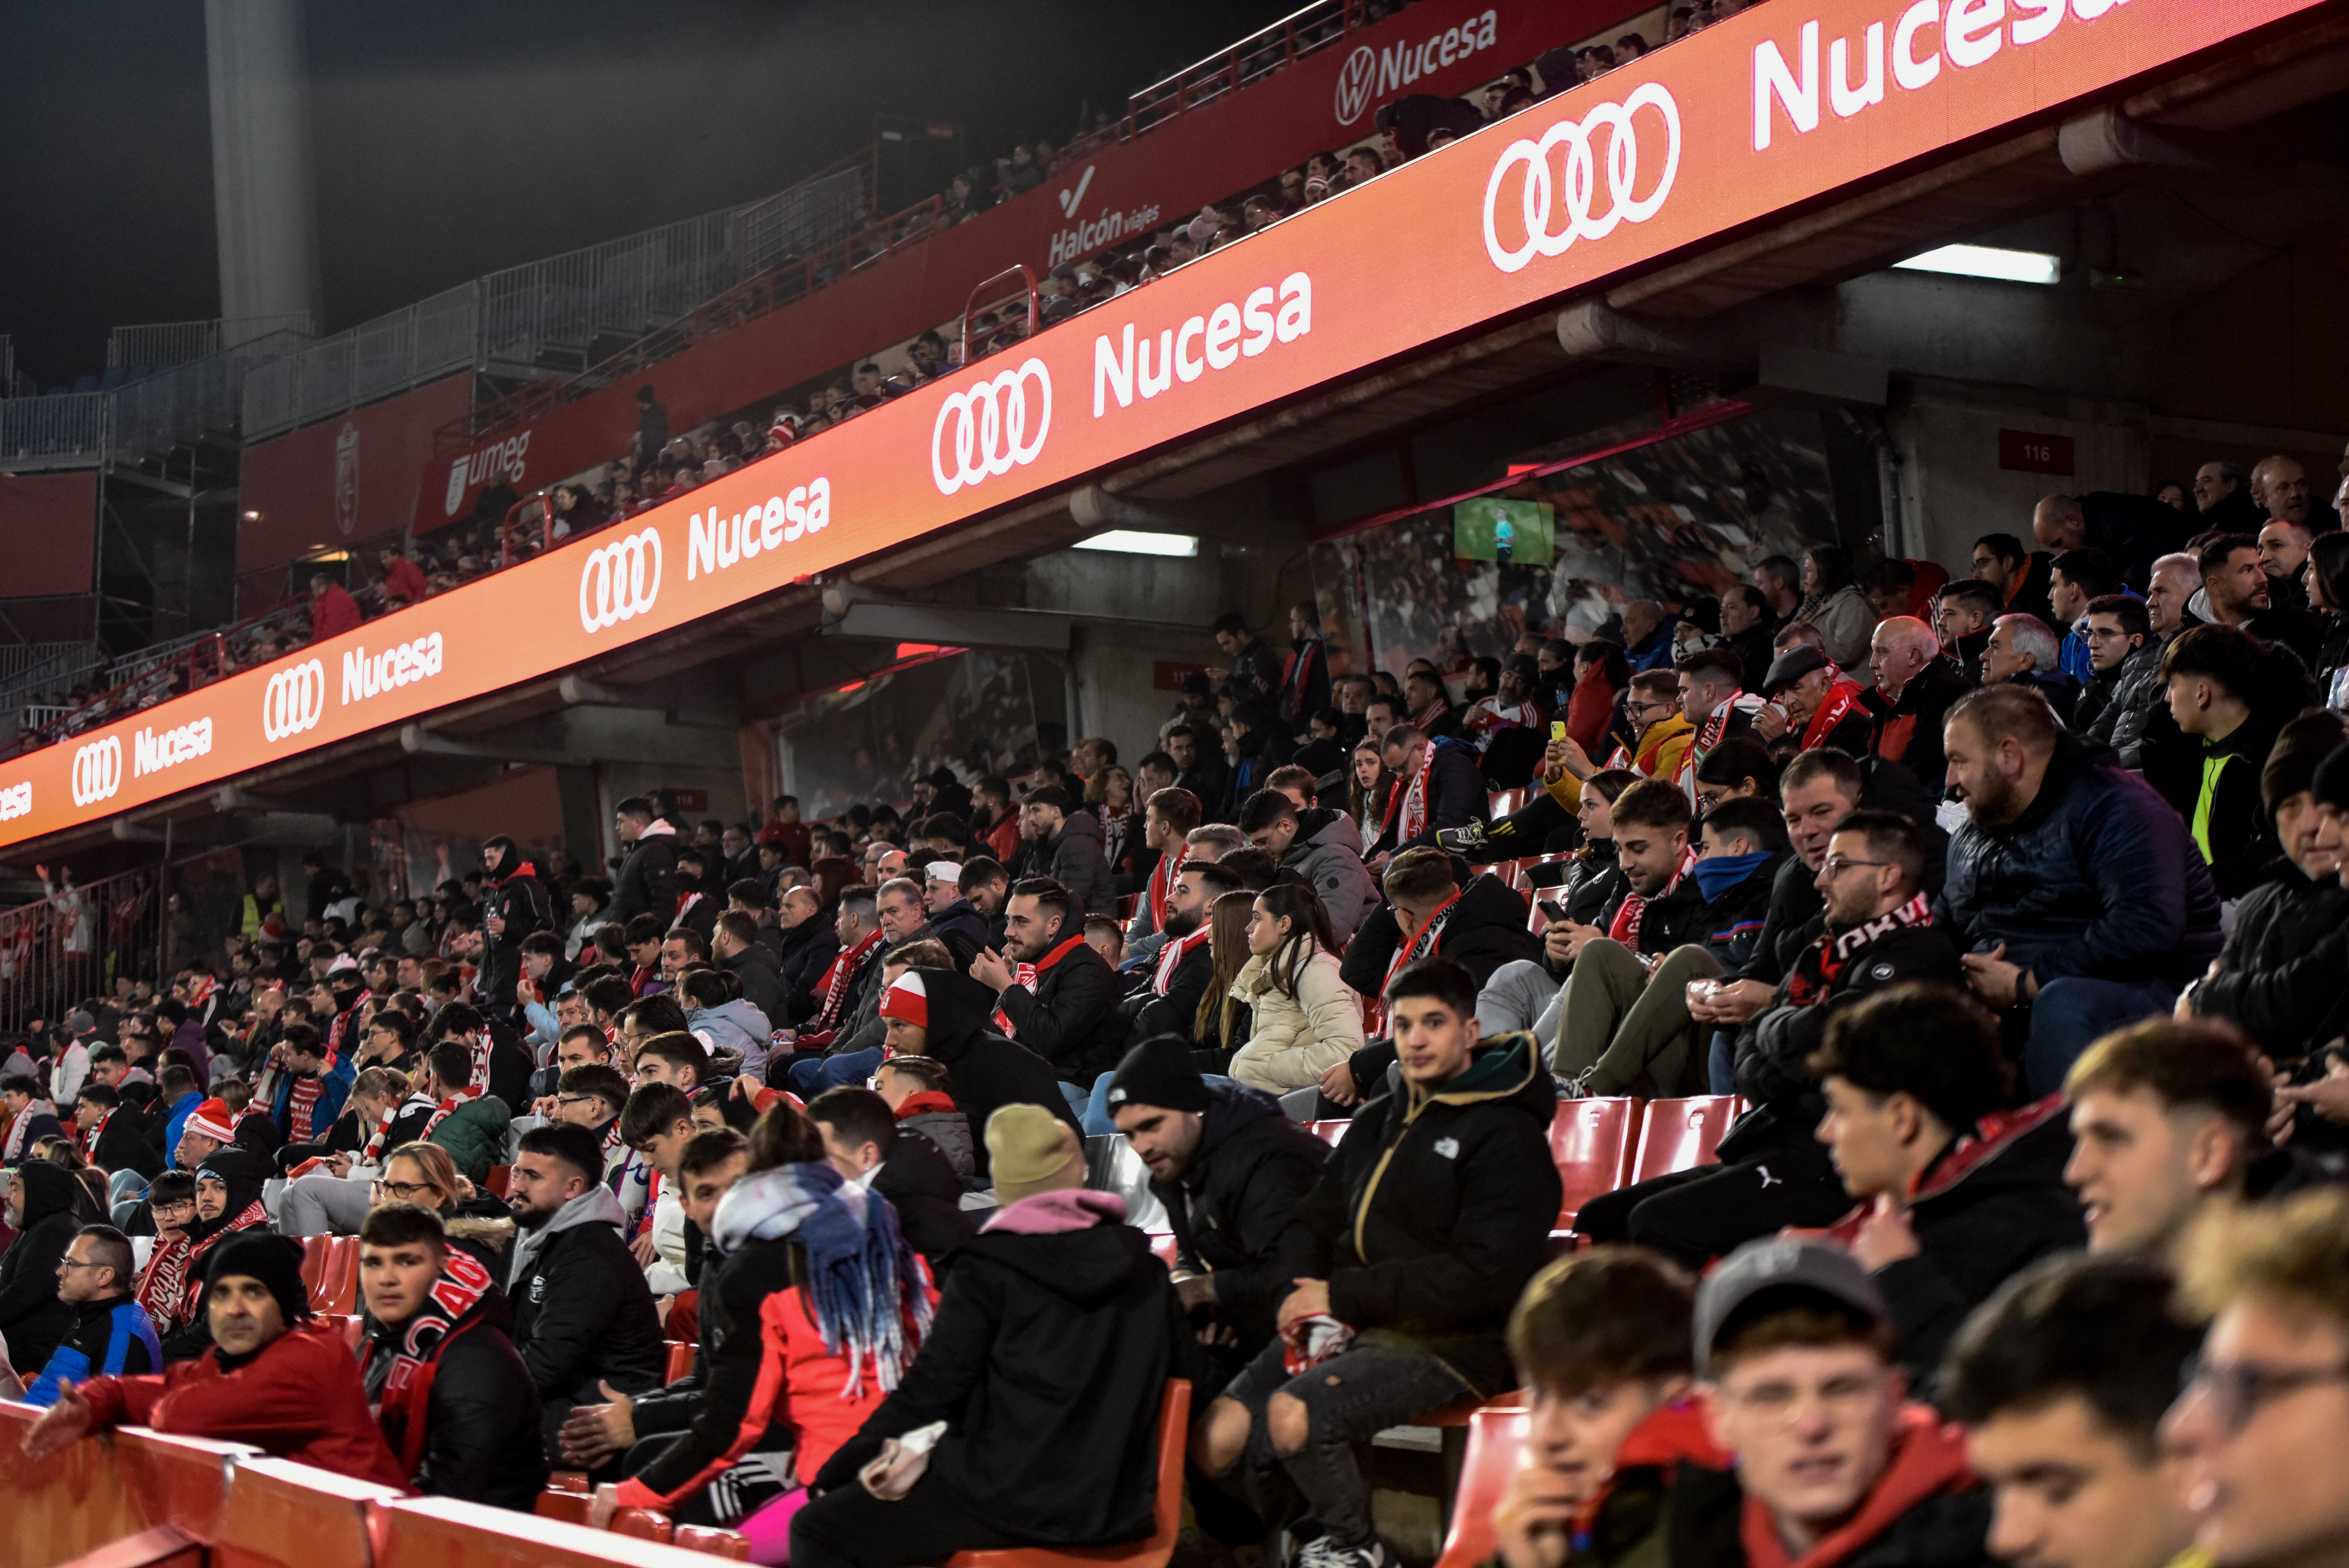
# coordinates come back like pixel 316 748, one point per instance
pixel 373 1153
pixel 1171 956
pixel 1841 701
pixel 1407 807
pixel 1491 716
pixel 340 1027
pixel 1162 889
pixel 1114 823
pixel 1625 927
pixel 1709 734
pixel 89 1140
pixel 1431 714
pixel 481 1047
pixel 1025 977
pixel 837 979
pixel 162 1284
pixel 20 1131
pixel 1427 943
pixel 1816 969
pixel 302 1107
pixel 399 1370
pixel 192 1294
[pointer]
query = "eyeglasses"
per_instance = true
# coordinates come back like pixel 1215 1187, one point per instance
pixel 405 1191
pixel 185 1206
pixel 70 1263
pixel 573 1098
pixel 1836 865
pixel 2237 1391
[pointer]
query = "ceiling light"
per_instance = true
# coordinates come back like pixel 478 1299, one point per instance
pixel 1134 542
pixel 1989 262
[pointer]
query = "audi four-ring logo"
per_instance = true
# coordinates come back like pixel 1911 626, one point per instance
pixel 620 581
pixel 991 427
pixel 296 700
pixel 1544 190
pixel 98 770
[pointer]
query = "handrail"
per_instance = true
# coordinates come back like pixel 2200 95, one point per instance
pixel 969 306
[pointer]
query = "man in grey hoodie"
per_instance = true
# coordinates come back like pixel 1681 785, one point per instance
pixel 1322 848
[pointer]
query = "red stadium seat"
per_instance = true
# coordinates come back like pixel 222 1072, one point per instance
pixel 680 1361
pixel 569 1480
pixel 643 1523
pixel 1329 1132
pixel 716 1543
pixel 1681 1134
pixel 337 1290
pixel 571 1507
pixel 1497 1436
pixel 315 1251
pixel 1591 1141
pixel 500 1181
pixel 1173 1426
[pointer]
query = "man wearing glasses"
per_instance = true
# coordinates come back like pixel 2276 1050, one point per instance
pixel 2118 630
pixel 2265 1408
pixel 112 1335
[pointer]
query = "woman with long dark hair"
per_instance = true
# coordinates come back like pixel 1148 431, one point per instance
pixel 1368 784
pixel 1222 1021
pixel 1306 1020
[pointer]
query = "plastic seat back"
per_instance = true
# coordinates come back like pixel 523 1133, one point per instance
pixel 1681 1134
pixel 1496 1437
pixel 726 1543
pixel 337 1290
pixel 1329 1132
pixel 680 1361
pixel 1591 1141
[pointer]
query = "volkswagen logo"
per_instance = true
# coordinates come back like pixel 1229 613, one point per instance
pixel 296 700
pixel 98 770
pixel 620 581
pixel 990 424
pixel 1355 82
pixel 1560 201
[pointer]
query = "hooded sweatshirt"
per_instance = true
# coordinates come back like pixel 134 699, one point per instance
pixel 735 1025
pixel 583 1313
pixel 32 1321
pixel 1047 1360
pixel 1251 1168
pixel 985 1069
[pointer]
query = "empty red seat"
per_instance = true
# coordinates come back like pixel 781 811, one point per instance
pixel 338 1289
pixel 500 1181
pixel 1681 1134
pixel 1591 1141
pixel 1329 1132
pixel 680 1360
pixel 315 1251
pixel 1173 1426
pixel 643 1523
pixel 1497 1436
pixel 571 1507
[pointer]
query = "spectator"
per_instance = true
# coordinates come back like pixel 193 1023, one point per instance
pixel 2144 735
pixel 647 880
pixel 2234 695
pixel 1648 636
pixel 1321 848
pixel 112 1336
pixel 1833 603
pixel 2170 1122
pixel 1964 614
pixel 819 1309
pixel 2018 576
pixel 939 1014
pixel 1169 816
pixel 809 945
pixel 112 1137
pixel 1600 1342
pixel 31 1118
pixel 1953 1200
pixel 456 1404
pixel 1183 973
pixel 1304 689
pixel 34 1321
pixel 2024 652
pixel 860 1138
pixel 1047 1358
pixel 1437 786
pixel 583 1316
pixel 2075 577
pixel 402 579
pixel 514 905
pixel 2118 635
pixel 2061 1380
pixel 333 610
pixel 1793 1342
pixel 848 988
pixel 312 1086
pixel 1255 672
pixel 2278 976
pixel 2076 890
pixel 1811 701
pixel 273 1377
pixel 915 1088
pixel 1711 701
pixel 1915 687
pixel 1067 1011
pixel 2237 588
pixel 1068 848
pixel 2270 1286
pixel 1304 1019
pixel 1876 930
pixel 2222 500
pixel 1424 1225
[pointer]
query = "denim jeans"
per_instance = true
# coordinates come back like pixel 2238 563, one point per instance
pixel 2069 1015
pixel 1381 1380
pixel 817 1073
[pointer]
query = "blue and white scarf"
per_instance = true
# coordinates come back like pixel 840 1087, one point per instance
pixel 863 1281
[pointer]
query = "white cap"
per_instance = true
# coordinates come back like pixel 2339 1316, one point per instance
pixel 943 871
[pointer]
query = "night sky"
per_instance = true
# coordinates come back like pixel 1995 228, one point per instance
pixel 451 140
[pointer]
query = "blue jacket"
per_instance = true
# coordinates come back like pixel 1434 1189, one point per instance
pixel 182 1109
pixel 2097 878
pixel 113 1339
pixel 334 1086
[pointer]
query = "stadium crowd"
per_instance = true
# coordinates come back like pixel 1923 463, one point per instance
pixel 2009 903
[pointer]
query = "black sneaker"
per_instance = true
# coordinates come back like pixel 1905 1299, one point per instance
pixel 1465 840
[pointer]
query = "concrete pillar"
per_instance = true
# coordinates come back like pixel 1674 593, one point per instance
pixel 264 205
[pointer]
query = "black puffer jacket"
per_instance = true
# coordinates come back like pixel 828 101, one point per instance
pixel 761 977
pixel 1436 1209
pixel 523 900
pixel 648 881
pixel 985 1071
pixel 2280 974
pixel 2096 878
pixel 33 1320
pixel 1796 915
pixel 1228 1210
pixel 1078 863
pixel 1071 1018
pixel 922 1186
pixel 1047 1360
pixel 807 951
pixel 583 1313
pixel 1143 1013
pixel 1705 1515
pixel 481 1440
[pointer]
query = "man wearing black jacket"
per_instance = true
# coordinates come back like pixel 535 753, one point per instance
pixel 735 946
pixel 40 1209
pixel 648 881
pixel 1914 688
pixel 1441 788
pixel 583 1317
pixel 111 1135
pixel 515 903
pixel 1185 962
pixel 939 1014
pixel 1230 1169
pixel 809 945
pixel 861 1140
pixel 455 1401
pixel 1068 1014
pixel 1876 930
pixel 1424 1226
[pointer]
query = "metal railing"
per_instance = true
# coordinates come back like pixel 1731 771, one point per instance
pixel 806 217
pixel 64 949
pixel 1302 32
pixel 419 343
pixel 168 669
pixel 67 430
pixel 201 400
pixel 158 344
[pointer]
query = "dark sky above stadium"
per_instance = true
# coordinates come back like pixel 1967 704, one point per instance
pixel 455 136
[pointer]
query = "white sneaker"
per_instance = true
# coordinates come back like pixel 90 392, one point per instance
pixel 1322 1553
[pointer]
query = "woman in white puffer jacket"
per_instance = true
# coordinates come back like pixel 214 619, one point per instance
pixel 1305 1020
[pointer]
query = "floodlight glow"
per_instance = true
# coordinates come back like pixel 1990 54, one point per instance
pixel 1988 262
pixel 1132 541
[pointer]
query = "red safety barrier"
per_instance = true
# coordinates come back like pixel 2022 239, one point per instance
pixel 440 1533
pixel 281 1514
pixel 98 1493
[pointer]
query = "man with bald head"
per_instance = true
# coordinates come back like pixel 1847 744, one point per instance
pixel 2280 487
pixel 1914 688
pixel 2133 530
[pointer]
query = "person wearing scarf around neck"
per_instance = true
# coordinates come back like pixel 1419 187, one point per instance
pixel 1816 703
pixel 228 1201
pixel 819 1308
pixel 1623 1021
pixel 1047 1358
pixel 443 1380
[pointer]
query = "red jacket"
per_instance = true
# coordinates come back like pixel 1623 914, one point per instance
pixel 1001 837
pixel 332 613
pixel 300 1399
pixel 405 579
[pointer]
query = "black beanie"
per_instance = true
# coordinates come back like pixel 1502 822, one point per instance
pixel 272 1259
pixel 1159 1072
pixel 2331 784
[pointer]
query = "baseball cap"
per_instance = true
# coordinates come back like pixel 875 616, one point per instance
pixel 943 871
pixel 1765 1267
pixel 1793 665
